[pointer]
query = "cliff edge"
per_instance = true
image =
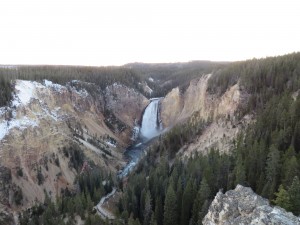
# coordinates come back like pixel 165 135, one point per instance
pixel 243 206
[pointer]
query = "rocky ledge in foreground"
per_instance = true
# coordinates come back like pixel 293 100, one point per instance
pixel 243 206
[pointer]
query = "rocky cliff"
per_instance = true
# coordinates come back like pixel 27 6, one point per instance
pixel 126 104
pixel 197 99
pixel 43 118
pixel 178 106
pixel 243 206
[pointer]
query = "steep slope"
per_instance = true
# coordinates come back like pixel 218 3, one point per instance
pixel 126 104
pixel 197 99
pixel 243 206
pixel 43 125
pixel 221 111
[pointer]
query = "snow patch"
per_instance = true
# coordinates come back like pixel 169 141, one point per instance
pixel 56 87
pixel 116 85
pixel 111 144
pixel 151 79
pixel 52 113
pixel 135 133
pixel 2 111
pixel 81 92
pixel 25 91
pixel 21 124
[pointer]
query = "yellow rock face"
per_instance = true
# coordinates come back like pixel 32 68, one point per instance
pixel 171 107
pixel 177 107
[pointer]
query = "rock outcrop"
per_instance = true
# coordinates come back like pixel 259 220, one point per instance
pixel 171 107
pixel 6 217
pixel 243 206
pixel 126 103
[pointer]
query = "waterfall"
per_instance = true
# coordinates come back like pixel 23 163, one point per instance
pixel 150 124
pixel 150 128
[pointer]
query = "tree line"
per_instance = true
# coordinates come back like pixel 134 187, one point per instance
pixel 260 78
pixel 167 76
pixel 100 76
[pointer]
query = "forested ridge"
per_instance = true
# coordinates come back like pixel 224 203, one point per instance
pixel 101 76
pixel 131 75
pixel 260 78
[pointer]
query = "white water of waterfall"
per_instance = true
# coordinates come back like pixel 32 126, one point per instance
pixel 150 125
pixel 150 128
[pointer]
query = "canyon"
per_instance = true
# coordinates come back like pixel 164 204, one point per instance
pixel 113 127
pixel 44 117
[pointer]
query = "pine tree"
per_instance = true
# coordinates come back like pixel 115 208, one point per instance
pixel 132 221
pixel 294 193
pixel 296 137
pixel 202 195
pixel 179 197
pixel 203 211
pixel 240 175
pixel 170 214
pixel 283 198
pixel 272 172
pixel 153 220
pixel 147 209
pixel 187 203
pixel 141 207
pixel 89 203
pixel 291 169
pixel 159 214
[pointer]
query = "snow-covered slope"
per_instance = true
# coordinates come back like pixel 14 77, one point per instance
pixel 26 91
pixel 44 117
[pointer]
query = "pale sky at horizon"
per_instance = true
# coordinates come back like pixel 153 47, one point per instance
pixel 115 32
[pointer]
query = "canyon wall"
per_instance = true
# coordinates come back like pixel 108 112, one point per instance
pixel 43 118
pixel 178 106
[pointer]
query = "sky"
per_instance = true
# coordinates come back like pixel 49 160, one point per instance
pixel 115 32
